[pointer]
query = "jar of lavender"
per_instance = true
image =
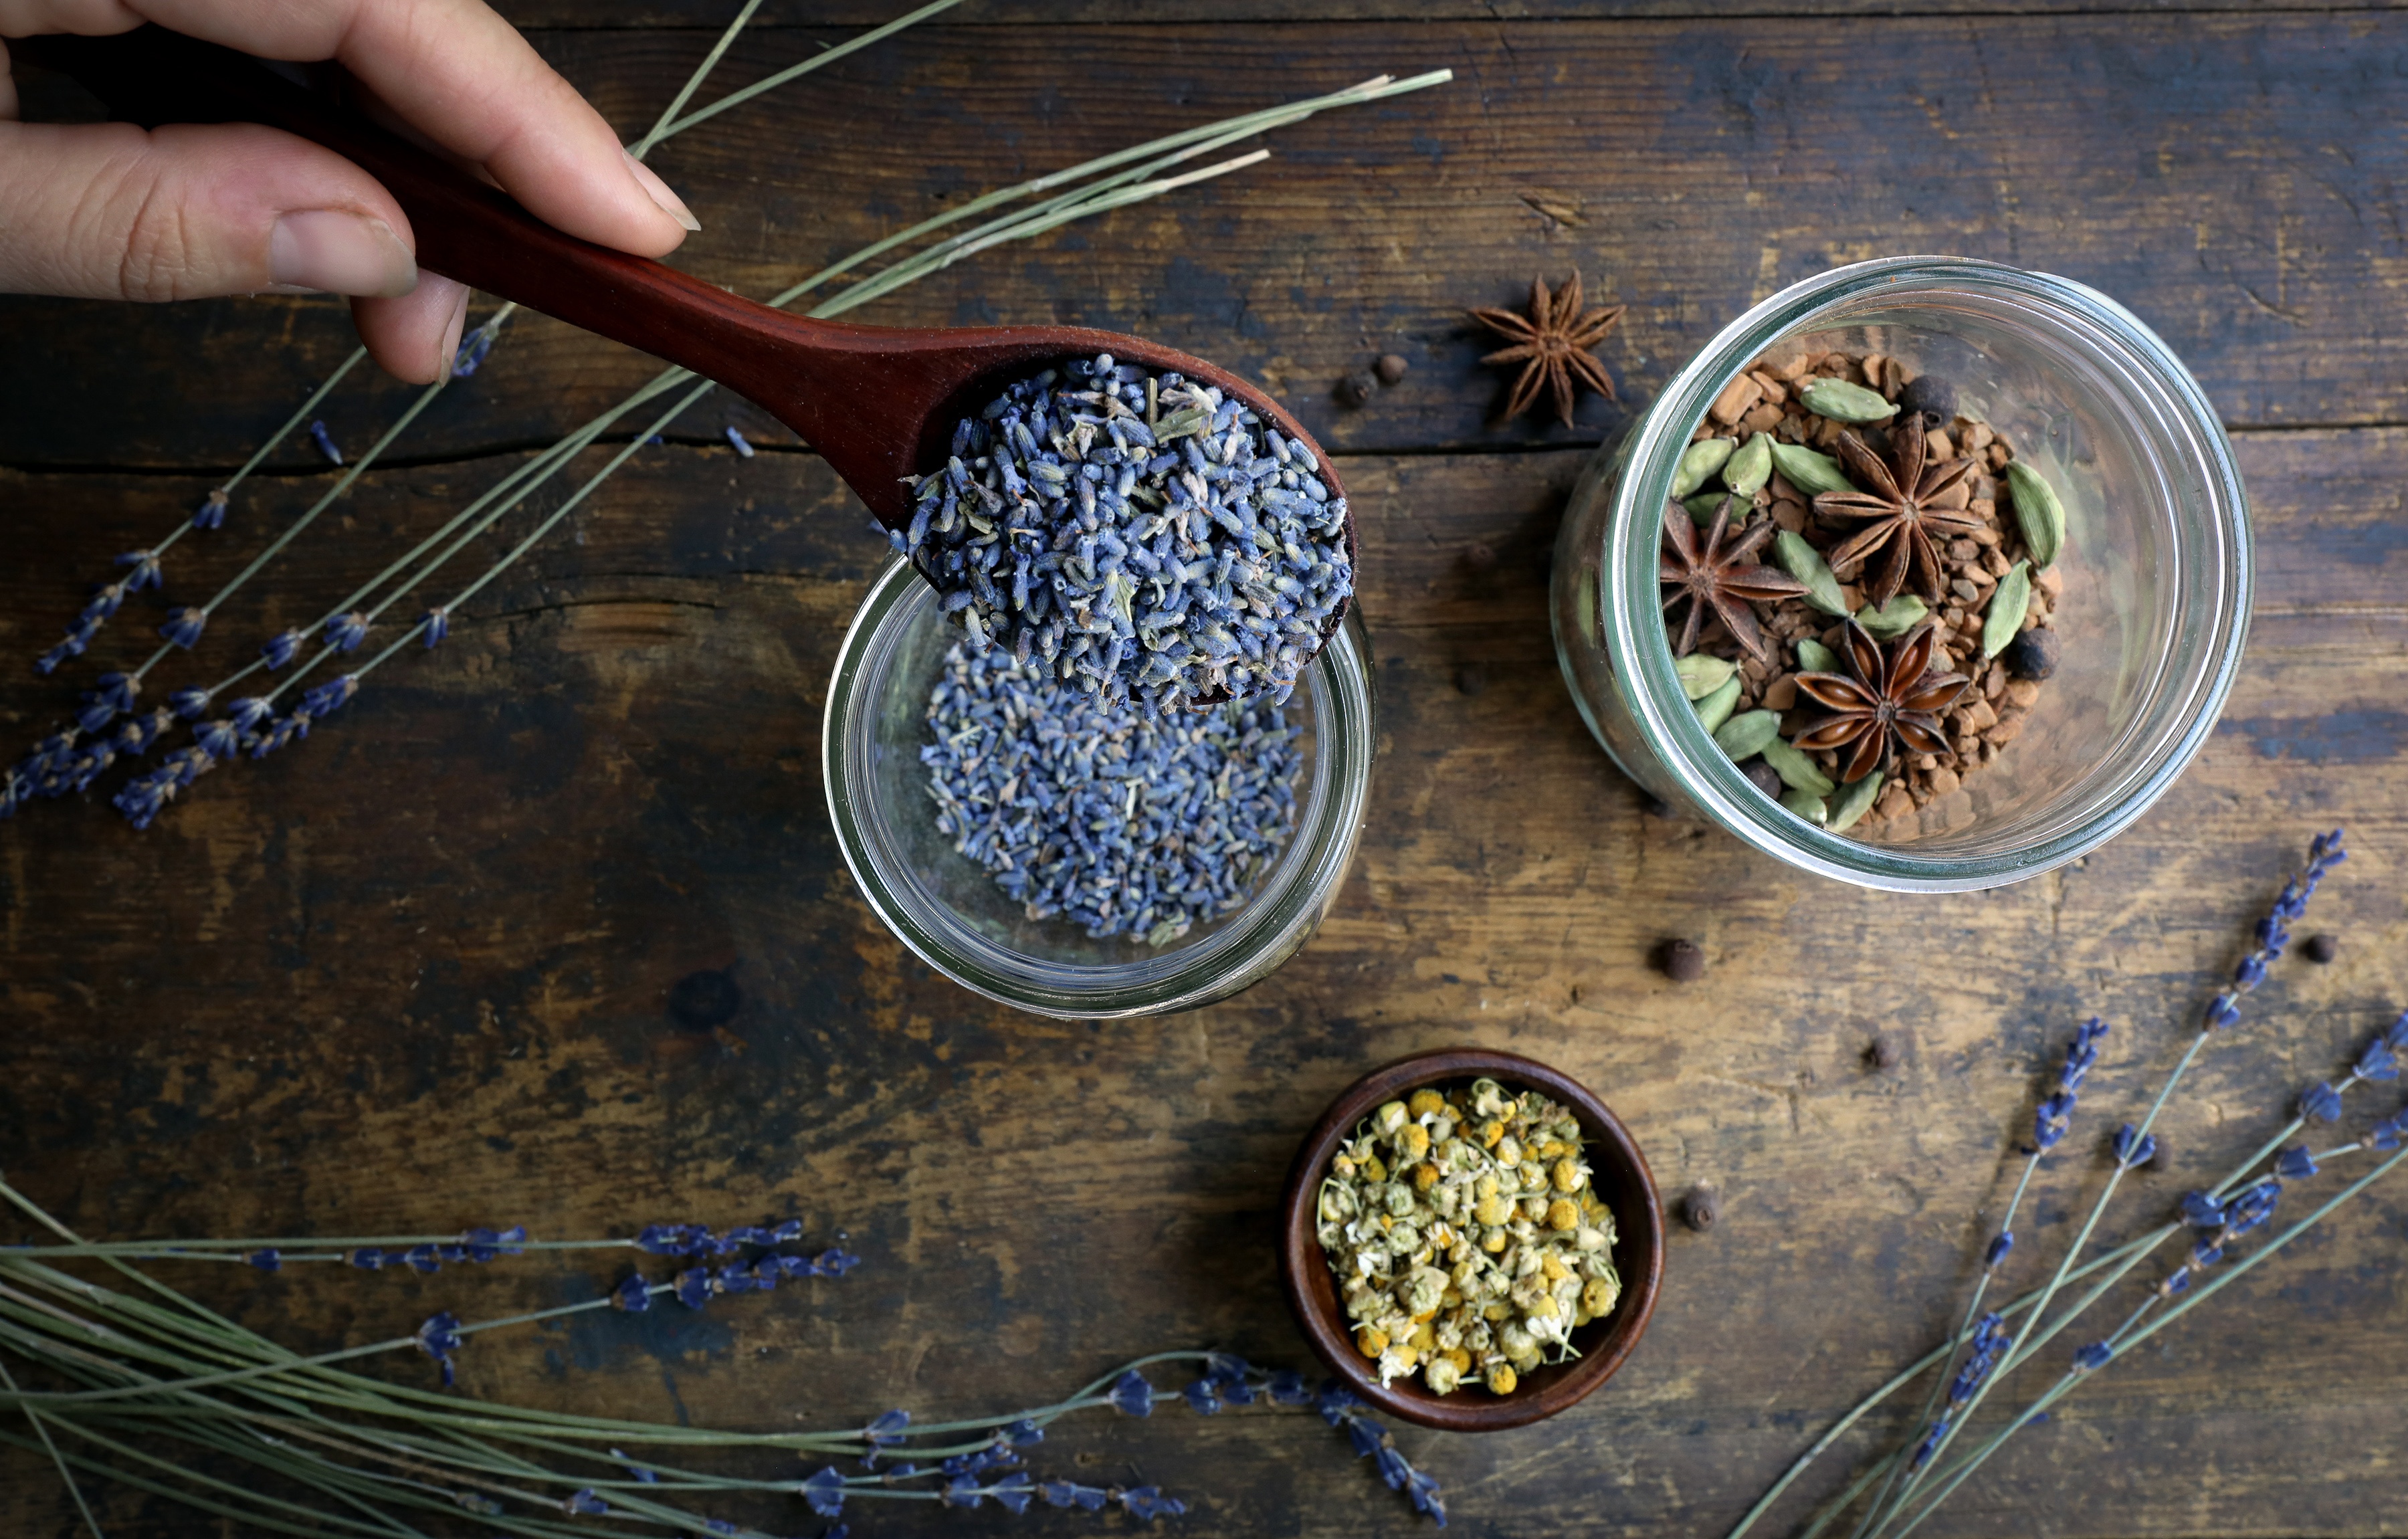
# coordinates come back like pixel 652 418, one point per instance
pixel 1074 858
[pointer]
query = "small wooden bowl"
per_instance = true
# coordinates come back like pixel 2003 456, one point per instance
pixel 1622 1179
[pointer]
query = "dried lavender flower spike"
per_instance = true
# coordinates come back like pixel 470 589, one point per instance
pixel 1147 538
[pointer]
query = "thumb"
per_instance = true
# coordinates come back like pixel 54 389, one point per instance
pixel 111 211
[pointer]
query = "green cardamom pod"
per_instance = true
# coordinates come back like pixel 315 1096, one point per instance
pixel 1703 505
pixel 1843 402
pixel 1797 771
pixel 1698 462
pixel 1814 657
pixel 1806 804
pixel 2007 607
pixel 1855 802
pixel 1902 614
pixel 2039 510
pixel 1809 471
pixel 1701 675
pixel 1806 564
pixel 1746 471
pixel 1744 735
pixel 1715 709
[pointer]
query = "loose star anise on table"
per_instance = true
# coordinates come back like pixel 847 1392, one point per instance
pixel 1551 344
pixel 1897 499
pixel 1723 579
pixel 1880 698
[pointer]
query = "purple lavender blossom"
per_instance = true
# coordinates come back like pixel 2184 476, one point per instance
pixel 439 1339
pixel 211 513
pixel 336 692
pixel 325 441
pixel 2273 931
pixel 345 632
pixel 1132 1396
pixel 146 570
pixel 184 626
pixel 824 1491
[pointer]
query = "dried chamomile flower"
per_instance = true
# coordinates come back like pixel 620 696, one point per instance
pixel 1466 1236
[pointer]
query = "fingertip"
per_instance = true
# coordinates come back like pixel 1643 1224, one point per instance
pixel 414 336
pixel 659 192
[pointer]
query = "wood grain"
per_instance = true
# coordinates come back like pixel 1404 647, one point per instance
pixel 2216 173
pixel 437 944
pixel 422 970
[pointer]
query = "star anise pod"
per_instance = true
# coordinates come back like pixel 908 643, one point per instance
pixel 1880 698
pixel 1551 344
pixel 1725 580
pixel 1897 499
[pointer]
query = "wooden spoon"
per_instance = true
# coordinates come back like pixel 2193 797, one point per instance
pixel 877 403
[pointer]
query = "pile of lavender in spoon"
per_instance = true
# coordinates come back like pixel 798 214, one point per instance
pixel 1151 541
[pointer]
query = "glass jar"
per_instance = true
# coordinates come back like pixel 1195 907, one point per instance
pixel 2157 568
pixel 947 908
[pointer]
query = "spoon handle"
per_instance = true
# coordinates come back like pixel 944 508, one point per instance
pixel 464 228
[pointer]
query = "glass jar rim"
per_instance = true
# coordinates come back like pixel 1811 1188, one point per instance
pixel 1642 652
pixel 1249 947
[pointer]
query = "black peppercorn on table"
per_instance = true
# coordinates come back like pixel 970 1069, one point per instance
pixel 549 928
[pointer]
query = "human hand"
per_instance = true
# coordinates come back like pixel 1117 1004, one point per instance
pixel 188 212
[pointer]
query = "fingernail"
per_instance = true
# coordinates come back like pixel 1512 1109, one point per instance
pixel 443 359
pixel 658 191
pixel 333 251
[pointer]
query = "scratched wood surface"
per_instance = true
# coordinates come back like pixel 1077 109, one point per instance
pixel 424 970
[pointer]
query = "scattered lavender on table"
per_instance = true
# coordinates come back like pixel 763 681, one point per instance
pixel 1909 1484
pixel 203 1373
pixel 1147 538
pixel 1123 821
pixel 325 443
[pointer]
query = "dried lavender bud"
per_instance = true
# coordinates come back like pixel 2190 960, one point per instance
pixel 1470 678
pixel 1358 387
pixel 2032 655
pixel 2320 949
pixel 1764 777
pixel 1684 961
pixel 1144 537
pixel 1127 822
pixel 1932 397
pixel 1702 1207
pixel 1390 367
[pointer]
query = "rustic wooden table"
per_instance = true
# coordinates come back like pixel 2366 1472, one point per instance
pixel 550 927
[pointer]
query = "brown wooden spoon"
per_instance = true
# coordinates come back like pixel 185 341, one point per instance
pixel 877 403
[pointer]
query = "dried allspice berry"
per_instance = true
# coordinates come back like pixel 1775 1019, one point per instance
pixel 1390 367
pixel 1471 678
pixel 1934 397
pixel 1684 961
pixel 2320 949
pixel 1702 1207
pixel 2031 655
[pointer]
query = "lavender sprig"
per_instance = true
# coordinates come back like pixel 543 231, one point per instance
pixel 2272 935
pixel 1986 1342
pixel 2090 1360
